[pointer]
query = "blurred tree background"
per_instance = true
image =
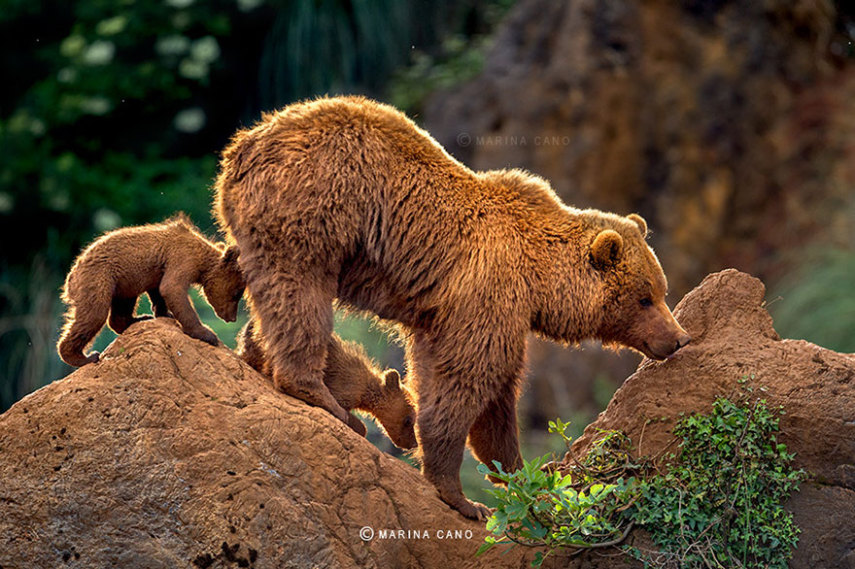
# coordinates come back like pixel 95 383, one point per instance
pixel 114 114
pixel 727 124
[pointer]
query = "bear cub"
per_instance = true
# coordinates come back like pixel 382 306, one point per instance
pixel 163 260
pixel 354 382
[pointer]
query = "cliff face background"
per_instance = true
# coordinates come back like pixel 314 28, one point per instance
pixel 730 126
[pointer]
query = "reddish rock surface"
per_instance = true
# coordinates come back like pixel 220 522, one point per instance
pixel 172 453
pixel 733 338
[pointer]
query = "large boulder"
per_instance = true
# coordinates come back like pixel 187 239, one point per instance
pixel 172 453
pixel 733 341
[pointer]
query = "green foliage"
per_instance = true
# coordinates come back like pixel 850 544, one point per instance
pixel 459 58
pixel 542 507
pixel 817 303
pixel 93 132
pixel 718 504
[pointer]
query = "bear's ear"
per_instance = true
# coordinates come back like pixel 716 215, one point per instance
pixel 230 256
pixel 639 221
pixel 392 379
pixel 607 248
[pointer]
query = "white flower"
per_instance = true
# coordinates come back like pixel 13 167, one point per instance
pixel 190 120
pixel 172 45
pixel 205 49
pixel 99 53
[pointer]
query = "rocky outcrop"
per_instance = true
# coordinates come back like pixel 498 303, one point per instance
pixel 173 453
pixel 733 341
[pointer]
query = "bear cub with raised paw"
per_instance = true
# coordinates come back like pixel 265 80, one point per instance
pixel 162 260
pixel 354 382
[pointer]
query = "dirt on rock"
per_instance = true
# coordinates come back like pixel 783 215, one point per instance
pixel 733 341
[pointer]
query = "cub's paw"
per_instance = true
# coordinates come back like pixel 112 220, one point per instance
pixel 93 358
pixel 206 335
pixel 354 423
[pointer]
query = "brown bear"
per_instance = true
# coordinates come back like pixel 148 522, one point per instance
pixel 346 198
pixel 161 259
pixel 354 382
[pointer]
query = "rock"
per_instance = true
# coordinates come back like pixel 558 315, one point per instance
pixel 733 338
pixel 172 453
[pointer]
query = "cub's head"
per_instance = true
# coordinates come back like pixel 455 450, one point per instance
pixel 396 411
pixel 635 314
pixel 224 283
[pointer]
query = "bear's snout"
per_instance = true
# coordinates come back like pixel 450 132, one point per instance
pixel 681 342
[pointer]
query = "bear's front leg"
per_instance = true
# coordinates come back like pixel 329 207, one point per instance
pixel 173 289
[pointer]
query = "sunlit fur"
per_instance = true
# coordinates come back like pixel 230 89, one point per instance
pixel 355 382
pixel 163 260
pixel 347 198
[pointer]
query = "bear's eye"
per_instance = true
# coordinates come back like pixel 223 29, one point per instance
pixel 646 302
pixel 408 422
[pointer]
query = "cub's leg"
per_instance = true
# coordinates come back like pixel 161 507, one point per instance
pixel 173 289
pixel 158 305
pixel 83 322
pixel 122 314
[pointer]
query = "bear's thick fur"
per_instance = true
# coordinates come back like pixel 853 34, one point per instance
pixel 346 198
pixel 355 382
pixel 161 259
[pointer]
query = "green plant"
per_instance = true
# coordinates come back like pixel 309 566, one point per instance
pixel 716 503
pixel 542 507
pixel 720 502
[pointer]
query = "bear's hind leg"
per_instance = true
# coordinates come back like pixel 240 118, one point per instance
pixel 81 327
pixel 495 435
pixel 122 314
pixel 296 320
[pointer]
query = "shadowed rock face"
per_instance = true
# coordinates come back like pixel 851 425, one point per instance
pixel 733 337
pixel 173 453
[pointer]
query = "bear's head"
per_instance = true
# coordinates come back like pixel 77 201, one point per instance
pixel 224 283
pixel 633 295
pixel 396 412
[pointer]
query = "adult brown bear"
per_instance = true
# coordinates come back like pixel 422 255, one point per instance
pixel 345 198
